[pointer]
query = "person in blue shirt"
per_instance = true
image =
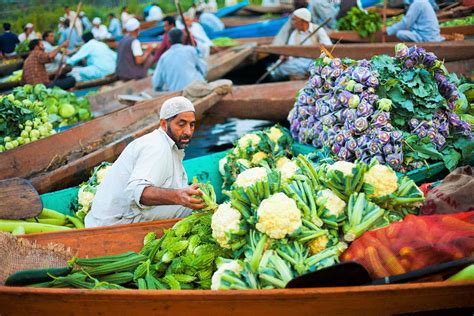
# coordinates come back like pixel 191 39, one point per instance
pixel 178 66
pixel 8 41
pixel 210 22
pixel 419 24
pixel 86 23
pixel 100 59
pixel 115 29
pixel 74 40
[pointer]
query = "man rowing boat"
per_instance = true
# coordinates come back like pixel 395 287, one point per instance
pixel 148 181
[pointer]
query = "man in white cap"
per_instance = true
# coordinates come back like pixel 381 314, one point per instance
pixel 71 15
pixel 99 30
pixel 302 34
pixel 132 62
pixel 28 33
pixel 148 181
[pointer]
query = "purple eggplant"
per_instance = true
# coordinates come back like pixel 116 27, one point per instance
pixel 364 109
pixel 361 74
pixel 361 124
pixel 351 144
pixel 381 119
pixel 383 137
pixel 394 160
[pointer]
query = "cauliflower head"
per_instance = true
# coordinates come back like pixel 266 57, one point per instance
pixel 278 216
pixel 85 197
pixel 281 161
pixel 318 244
pixel 258 156
pixel 233 265
pixel 249 140
pixel 343 166
pixel 251 176
pixel 225 221
pixel 245 163
pixel 382 179
pixel 101 173
pixel 331 202
pixel 274 134
pixel 287 168
pixel 222 164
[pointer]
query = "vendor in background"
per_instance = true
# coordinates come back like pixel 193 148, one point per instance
pixel 99 30
pixel 132 62
pixel 203 43
pixel 155 13
pixel 179 66
pixel 210 22
pixel 298 66
pixel 71 15
pixel 321 10
pixel 420 24
pixel 115 29
pixel 28 33
pixel 74 40
pixel 148 181
pixel 125 16
pixel 86 23
pixel 8 41
pixel 169 23
pixel 49 46
pixel 34 70
pixel 101 61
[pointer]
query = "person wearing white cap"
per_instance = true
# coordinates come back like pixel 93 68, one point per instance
pixel 301 23
pixel 99 30
pixel 71 15
pixel 28 33
pixel 86 23
pixel 155 13
pixel 148 181
pixel 132 62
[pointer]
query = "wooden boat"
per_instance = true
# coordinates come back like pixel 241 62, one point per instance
pixel 449 51
pixel 284 8
pixel 259 29
pixel 233 21
pixel 7 69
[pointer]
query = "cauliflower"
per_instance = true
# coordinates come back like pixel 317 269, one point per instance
pixel 225 221
pixel 259 156
pixel 343 166
pixel 251 176
pixel 382 181
pixel 101 173
pixel 222 163
pixel 233 265
pixel 244 162
pixel 318 244
pixel 274 134
pixel 85 198
pixel 249 140
pixel 331 202
pixel 287 168
pixel 278 216
pixel 281 161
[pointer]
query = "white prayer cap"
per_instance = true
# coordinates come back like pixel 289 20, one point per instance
pixel 29 25
pixel 62 19
pixel 132 25
pixel 96 21
pixel 175 106
pixel 81 13
pixel 303 14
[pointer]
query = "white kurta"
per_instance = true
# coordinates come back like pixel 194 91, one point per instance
pixel 151 160
pixel 155 14
pixel 101 33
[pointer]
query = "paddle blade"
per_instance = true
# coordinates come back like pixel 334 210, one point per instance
pixel 342 274
pixel 19 199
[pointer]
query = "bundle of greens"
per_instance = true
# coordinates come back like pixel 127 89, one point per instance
pixel 364 23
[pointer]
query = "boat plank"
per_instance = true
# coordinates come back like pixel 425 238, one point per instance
pixel 449 51
pixel 8 69
pixel 226 61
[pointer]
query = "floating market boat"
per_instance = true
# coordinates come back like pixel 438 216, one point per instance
pixel 259 29
pixel 449 51
pixel 9 66
pixel 233 21
pixel 277 9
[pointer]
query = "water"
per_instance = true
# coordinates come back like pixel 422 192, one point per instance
pixel 215 135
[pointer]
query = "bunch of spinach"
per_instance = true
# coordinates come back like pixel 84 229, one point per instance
pixel 364 23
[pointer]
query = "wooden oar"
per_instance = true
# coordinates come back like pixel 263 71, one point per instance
pixel 19 199
pixel 280 61
pixel 188 33
pixel 72 26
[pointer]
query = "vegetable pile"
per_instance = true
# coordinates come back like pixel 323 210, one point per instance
pixel 399 110
pixel 277 223
pixel 468 20
pixel 364 23
pixel 31 112
pixel 23 47
pixel 225 41
pixel 15 76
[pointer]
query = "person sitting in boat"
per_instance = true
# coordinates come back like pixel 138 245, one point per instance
pixel 49 46
pixel 420 24
pixel 86 23
pixel 155 13
pixel 74 40
pixel 132 62
pixel 115 29
pixel 210 22
pixel 125 16
pixel 8 41
pixel 99 30
pixel 303 31
pixel 148 181
pixel 28 33
pixel 71 16
pixel 179 66
pixel 203 43
pixel 34 70
pixel 169 23
pixel 101 61
pixel 324 9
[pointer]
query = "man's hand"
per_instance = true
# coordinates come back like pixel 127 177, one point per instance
pixel 186 197
pixel 283 58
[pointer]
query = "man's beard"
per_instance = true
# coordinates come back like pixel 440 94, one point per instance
pixel 178 141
